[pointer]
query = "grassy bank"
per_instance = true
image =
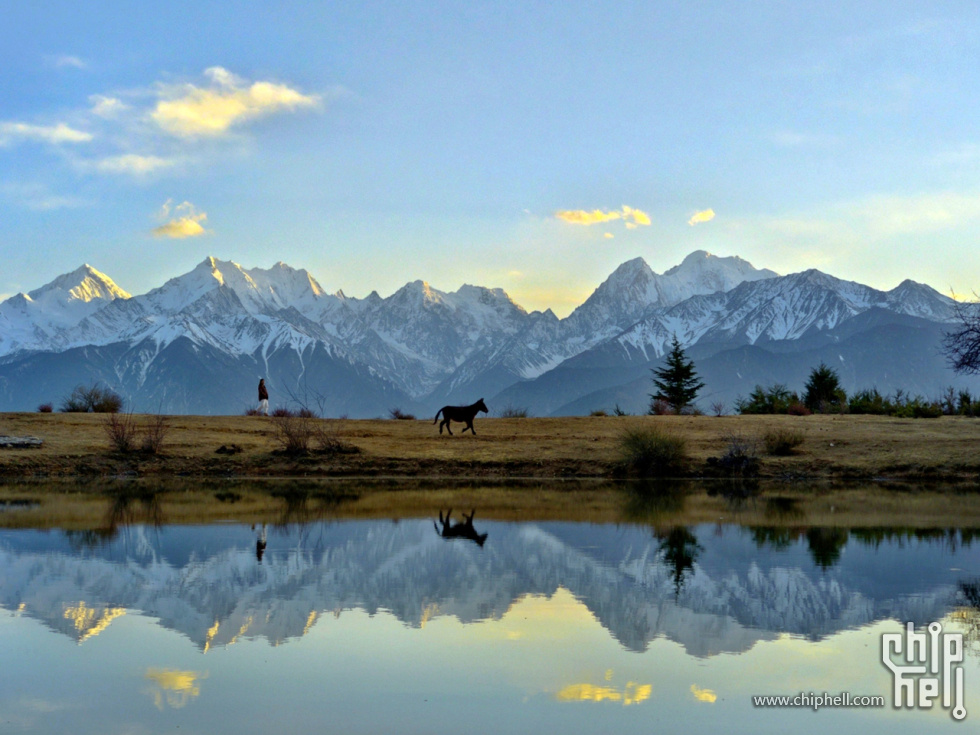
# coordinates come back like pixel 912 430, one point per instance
pixel 832 447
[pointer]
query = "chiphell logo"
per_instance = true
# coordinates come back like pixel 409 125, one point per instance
pixel 926 667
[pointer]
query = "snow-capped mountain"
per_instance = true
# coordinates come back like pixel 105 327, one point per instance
pixel 198 342
pixel 42 318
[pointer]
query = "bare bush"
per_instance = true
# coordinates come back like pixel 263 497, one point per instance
pixel 298 435
pixel 45 408
pixel 718 408
pixel 398 414
pixel 154 432
pixel 121 431
pixel 92 399
pixel 513 412
pixel 740 458
pixel 126 434
pixel 293 434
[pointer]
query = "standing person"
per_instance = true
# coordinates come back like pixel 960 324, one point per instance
pixel 263 398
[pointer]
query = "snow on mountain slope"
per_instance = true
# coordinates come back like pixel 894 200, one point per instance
pixel 782 308
pixel 631 292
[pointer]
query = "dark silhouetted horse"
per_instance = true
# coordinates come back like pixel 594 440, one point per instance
pixel 459 530
pixel 461 414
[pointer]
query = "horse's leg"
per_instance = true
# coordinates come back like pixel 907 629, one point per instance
pixel 446 424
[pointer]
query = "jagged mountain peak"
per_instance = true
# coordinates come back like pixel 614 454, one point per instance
pixel 84 284
pixel 719 272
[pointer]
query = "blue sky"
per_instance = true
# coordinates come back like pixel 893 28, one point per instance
pixel 527 145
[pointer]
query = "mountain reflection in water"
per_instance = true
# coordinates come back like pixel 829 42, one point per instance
pixel 699 591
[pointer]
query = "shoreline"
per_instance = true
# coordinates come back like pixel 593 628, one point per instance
pixel 835 447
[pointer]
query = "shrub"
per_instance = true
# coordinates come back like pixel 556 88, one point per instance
pixel 718 408
pixel 293 434
pixel 92 399
pixel 514 413
pixel 740 458
pixel 870 401
pixel 399 415
pixel 282 412
pixel 774 399
pixel 652 452
pixel 121 431
pixel 300 435
pixel 252 411
pixel 45 408
pixel 798 409
pixel 154 432
pixel 125 434
pixel 598 413
pixel 782 442
pixel 617 411
pixel 660 407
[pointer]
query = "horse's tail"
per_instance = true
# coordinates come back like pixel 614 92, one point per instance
pixel 436 419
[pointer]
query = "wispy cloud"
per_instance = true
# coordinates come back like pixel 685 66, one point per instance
pixel 633 217
pixel 132 163
pixel 186 221
pixel 792 139
pixel 192 111
pixel 705 215
pixel 64 60
pixel 107 107
pixel 13 132
pixel 39 198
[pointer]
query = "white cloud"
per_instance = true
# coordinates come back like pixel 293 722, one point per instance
pixel 705 215
pixel 12 132
pixel 189 111
pixel 632 216
pixel 187 223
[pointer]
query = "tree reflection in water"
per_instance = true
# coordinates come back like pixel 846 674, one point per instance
pixel 680 549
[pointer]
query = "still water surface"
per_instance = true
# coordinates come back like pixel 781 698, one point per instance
pixel 387 627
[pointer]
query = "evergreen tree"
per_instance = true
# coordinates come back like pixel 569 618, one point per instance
pixel 676 382
pixel 823 389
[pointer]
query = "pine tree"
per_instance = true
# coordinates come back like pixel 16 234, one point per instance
pixel 676 382
pixel 823 389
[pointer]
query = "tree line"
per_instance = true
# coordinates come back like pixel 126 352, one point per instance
pixel 677 385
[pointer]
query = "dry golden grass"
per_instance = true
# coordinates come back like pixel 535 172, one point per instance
pixel 834 446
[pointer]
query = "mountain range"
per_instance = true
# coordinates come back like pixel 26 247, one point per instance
pixel 199 342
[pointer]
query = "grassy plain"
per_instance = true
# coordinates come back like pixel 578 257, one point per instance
pixel 834 447
pixel 849 471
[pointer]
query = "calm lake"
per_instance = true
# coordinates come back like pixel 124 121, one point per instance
pixel 538 627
